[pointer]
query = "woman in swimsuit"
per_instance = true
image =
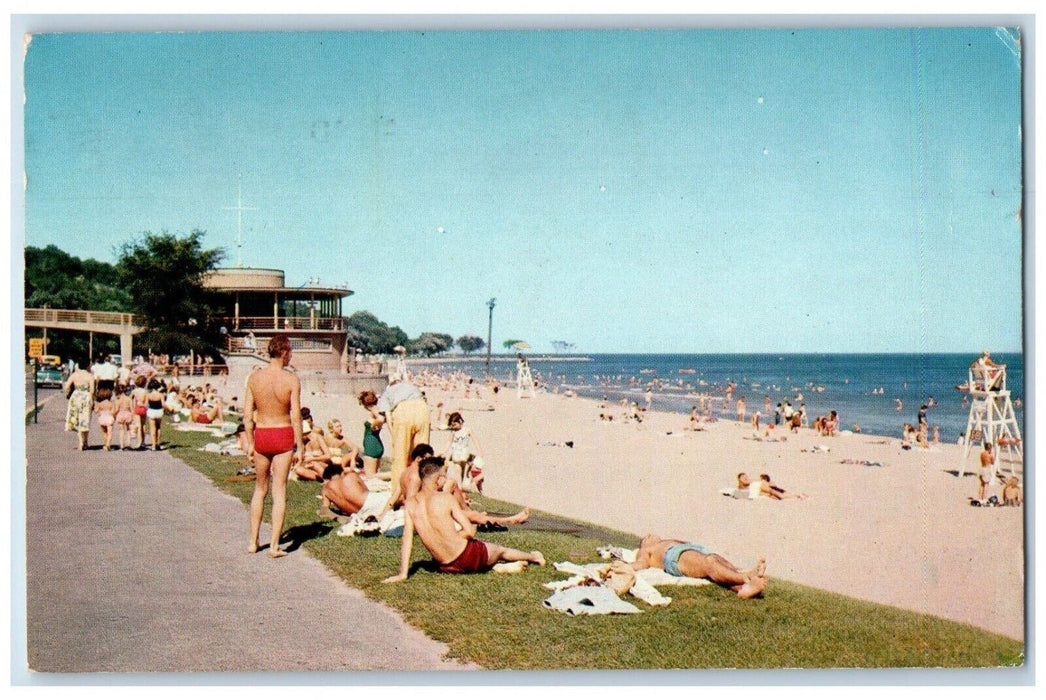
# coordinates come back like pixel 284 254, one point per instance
pixel 106 415
pixel 373 448
pixel 79 387
pixel 317 456
pixel 343 452
pixel 124 416
pixel 154 410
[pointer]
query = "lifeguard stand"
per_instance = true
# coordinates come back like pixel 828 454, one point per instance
pixel 992 418
pixel 524 380
pixel 399 365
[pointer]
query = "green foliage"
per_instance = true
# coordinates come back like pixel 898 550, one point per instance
pixel 511 343
pixel 470 343
pixel 164 275
pixel 371 335
pixel 429 344
pixel 498 622
pixel 57 280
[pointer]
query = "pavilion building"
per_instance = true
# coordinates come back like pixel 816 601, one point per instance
pixel 256 304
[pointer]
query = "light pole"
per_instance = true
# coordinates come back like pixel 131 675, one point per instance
pixel 490 327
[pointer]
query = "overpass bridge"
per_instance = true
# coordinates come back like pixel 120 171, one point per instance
pixel 111 322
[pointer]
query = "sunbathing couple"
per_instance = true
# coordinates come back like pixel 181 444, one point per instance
pixel 680 558
pixel 446 529
pixel 345 491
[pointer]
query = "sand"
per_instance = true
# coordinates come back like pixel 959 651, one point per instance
pixel 903 534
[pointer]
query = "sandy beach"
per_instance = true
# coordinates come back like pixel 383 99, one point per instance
pixel 902 534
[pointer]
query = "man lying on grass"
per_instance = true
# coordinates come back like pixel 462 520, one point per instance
pixel 682 559
pixel 434 513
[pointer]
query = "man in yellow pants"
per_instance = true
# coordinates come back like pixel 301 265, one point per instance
pixel 404 406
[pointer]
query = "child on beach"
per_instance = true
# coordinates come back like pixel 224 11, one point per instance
pixel 1011 492
pixel 124 415
pixel 462 451
pixel 106 415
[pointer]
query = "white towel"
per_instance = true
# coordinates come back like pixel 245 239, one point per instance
pixel 588 600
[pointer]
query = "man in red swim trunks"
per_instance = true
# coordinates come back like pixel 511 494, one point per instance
pixel 272 421
pixel 433 513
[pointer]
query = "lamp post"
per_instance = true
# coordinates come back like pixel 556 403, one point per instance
pixel 490 326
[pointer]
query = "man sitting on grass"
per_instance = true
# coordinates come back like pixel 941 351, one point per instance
pixel 679 558
pixel 433 513
pixel 410 484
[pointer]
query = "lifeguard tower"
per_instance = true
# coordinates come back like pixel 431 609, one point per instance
pixel 524 380
pixel 399 367
pixel 992 418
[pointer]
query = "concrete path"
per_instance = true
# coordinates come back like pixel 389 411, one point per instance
pixel 135 562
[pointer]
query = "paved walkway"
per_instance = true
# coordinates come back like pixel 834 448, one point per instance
pixel 119 579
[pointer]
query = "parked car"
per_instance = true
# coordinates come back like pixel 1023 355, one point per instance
pixel 50 376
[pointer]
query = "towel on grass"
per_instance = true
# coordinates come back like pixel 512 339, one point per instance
pixel 588 600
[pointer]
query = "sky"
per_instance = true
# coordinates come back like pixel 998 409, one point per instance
pixel 788 190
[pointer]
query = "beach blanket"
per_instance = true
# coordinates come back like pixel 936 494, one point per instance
pixel 198 428
pixel 641 584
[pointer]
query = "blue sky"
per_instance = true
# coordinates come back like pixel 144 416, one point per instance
pixel 832 190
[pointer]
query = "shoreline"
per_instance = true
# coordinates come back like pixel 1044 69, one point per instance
pixel 901 534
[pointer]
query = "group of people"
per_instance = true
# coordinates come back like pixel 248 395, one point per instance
pixel 123 402
pixel 129 403
pixel 428 488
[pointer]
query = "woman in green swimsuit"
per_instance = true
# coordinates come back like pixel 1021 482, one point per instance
pixel 373 448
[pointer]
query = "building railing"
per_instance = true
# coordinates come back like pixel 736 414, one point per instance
pixel 109 318
pixel 285 323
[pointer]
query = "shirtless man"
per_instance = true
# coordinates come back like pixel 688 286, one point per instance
pixel 678 558
pixel 433 513
pixel 410 484
pixel 272 421
pixel 344 490
pixel 987 472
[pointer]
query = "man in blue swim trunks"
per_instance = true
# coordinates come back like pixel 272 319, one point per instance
pixel 680 558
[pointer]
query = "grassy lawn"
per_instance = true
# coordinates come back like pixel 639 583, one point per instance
pixel 498 622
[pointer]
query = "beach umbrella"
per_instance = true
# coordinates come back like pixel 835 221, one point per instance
pixel 521 345
pixel 399 348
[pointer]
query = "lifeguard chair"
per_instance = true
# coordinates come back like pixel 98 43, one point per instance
pixel 524 380
pixel 399 365
pixel 992 418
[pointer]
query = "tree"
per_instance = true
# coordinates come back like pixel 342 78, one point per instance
pixel 470 343
pixel 57 280
pixel 511 343
pixel 429 344
pixel 371 335
pixel 164 275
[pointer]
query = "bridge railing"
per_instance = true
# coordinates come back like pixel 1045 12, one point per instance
pixel 109 318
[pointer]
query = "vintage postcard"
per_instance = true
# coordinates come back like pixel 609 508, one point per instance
pixel 456 350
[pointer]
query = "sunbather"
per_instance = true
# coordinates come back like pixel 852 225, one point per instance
pixel 433 513
pixel 679 558
pixel 410 483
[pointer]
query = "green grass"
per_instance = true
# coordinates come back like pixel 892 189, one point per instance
pixel 497 621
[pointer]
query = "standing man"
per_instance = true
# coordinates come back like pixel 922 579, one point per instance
pixel 272 421
pixel 403 405
pixel 987 472
pixel 105 374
